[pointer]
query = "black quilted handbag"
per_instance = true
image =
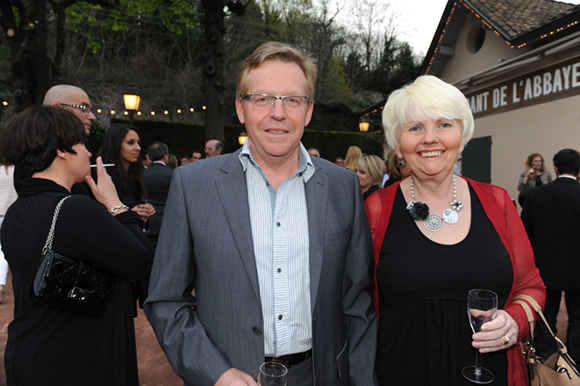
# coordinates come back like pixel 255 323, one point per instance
pixel 70 284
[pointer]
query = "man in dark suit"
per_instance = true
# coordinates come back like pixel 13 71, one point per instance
pixel 276 245
pixel 157 180
pixel 551 215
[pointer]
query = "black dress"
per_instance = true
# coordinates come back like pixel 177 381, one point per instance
pixel 424 333
pixel 49 347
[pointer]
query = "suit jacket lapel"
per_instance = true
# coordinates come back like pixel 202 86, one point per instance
pixel 233 194
pixel 316 197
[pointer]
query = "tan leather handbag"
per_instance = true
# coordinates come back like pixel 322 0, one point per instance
pixel 559 369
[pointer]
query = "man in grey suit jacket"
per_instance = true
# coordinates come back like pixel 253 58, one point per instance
pixel 551 216
pixel 275 245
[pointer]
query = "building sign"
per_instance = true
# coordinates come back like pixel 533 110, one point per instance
pixel 558 81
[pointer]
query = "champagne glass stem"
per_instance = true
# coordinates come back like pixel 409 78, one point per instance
pixel 477 369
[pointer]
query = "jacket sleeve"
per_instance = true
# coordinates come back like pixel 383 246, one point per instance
pixel 115 243
pixel 170 306
pixel 521 185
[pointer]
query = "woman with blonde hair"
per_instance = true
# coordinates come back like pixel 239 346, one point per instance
pixel 353 154
pixel 370 171
pixel 436 236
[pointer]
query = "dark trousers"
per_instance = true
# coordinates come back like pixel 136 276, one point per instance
pixel 545 344
pixel 301 374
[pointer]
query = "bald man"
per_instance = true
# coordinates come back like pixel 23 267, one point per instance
pixel 73 99
pixel 76 101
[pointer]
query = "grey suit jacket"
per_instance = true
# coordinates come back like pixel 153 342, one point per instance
pixel 206 244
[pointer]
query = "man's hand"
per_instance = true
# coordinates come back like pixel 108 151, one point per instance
pixel 235 377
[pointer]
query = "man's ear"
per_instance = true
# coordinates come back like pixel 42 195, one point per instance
pixel 240 110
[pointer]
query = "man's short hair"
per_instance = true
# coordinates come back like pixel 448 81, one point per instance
pixel 283 52
pixel 157 151
pixel 567 161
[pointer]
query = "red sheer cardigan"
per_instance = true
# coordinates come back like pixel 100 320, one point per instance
pixel 499 208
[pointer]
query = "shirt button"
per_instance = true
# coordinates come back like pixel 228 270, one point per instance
pixel 277 224
pixel 279 317
pixel 279 270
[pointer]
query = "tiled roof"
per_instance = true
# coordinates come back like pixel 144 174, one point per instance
pixel 516 17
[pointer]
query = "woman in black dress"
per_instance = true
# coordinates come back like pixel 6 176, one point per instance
pixel 46 346
pixel 435 237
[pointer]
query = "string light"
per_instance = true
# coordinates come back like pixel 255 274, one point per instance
pixel 495 31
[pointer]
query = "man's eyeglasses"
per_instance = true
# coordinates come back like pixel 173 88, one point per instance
pixel 264 101
pixel 209 148
pixel 85 108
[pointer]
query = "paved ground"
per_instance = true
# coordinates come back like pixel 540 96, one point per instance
pixel 154 370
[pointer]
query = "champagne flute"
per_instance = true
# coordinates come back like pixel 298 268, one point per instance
pixel 481 308
pixel 272 374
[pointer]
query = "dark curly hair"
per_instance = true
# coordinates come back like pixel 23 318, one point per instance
pixel 32 137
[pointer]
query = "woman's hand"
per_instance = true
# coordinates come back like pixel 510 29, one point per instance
pixel 104 190
pixel 498 334
pixel 144 211
pixel 531 172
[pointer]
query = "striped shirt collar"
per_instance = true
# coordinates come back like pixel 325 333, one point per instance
pixel 305 166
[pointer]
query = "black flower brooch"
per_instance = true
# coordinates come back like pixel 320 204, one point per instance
pixel 418 210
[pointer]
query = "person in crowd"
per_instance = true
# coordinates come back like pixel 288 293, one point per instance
pixel 121 147
pixel 75 100
pixel 550 216
pixel 184 160
pixel 534 175
pixel 339 161
pixel 436 236
pixel 7 196
pixel 146 160
pixel 313 152
pixel 195 156
pixel 47 346
pixel 276 245
pixel 213 147
pixel 399 169
pixel 370 171
pixel 172 161
pixel 157 180
pixel 353 154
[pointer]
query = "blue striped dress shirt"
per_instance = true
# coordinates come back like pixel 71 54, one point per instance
pixel 280 235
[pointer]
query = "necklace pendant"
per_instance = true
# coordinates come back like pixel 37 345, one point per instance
pixel 433 222
pixel 450 216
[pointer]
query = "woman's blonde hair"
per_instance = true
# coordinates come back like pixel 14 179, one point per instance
pixel 428 97
pixel 374 167
pixel 353 154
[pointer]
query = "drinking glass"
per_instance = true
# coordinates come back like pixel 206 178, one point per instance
pixel 272 374
pixel 481 308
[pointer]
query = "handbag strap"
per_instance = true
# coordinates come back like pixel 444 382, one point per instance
pixel 525 301
pixel 48 244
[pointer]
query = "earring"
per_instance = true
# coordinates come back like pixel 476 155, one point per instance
pixel 401 163
pixel 459 157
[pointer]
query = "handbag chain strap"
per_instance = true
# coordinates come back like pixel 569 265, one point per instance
pixel 48 244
